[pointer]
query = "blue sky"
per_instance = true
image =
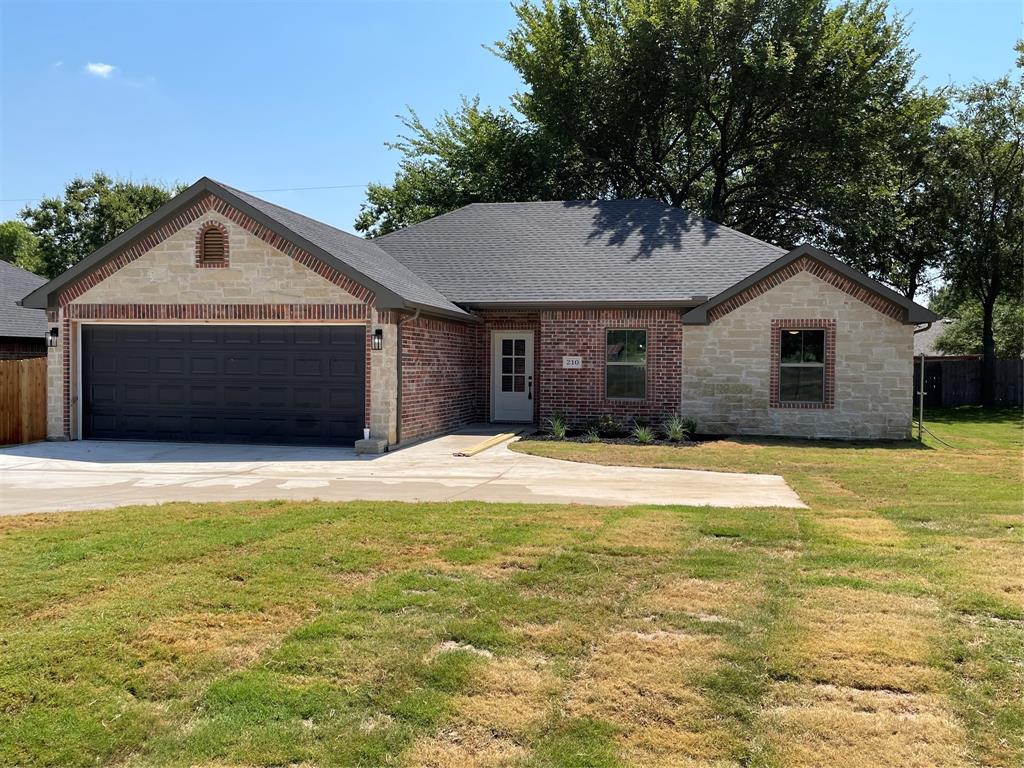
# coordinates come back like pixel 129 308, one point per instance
pixel 266 96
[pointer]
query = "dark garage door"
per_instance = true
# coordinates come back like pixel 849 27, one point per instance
pixel 229 384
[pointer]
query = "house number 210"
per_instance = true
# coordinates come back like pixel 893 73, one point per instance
pixel 572 361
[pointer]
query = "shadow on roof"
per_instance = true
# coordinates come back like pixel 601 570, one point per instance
pixel 646 224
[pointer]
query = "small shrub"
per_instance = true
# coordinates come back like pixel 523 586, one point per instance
pixel 643 434
pixel 677 429
pixel 592 435
pixel 607 426
pixel 556 426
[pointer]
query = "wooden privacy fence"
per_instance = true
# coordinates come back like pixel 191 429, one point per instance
pixel 22 400
pixel 948 383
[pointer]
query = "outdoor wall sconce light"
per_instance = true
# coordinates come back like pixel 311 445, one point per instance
pixel 51 337
pixel 378 338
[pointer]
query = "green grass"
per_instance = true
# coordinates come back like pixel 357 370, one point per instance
pixel 882 626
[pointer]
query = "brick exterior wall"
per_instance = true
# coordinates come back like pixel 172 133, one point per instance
pixel 441 376
pixel 580 394
pixel 446 367
pixel 727 366
pixel 20 348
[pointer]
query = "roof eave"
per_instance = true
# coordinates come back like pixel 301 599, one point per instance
pixel 601 304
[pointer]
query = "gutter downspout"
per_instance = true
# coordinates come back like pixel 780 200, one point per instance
pixel 398 369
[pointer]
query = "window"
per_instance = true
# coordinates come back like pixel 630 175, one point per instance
pixel 801 365
pixel 212 247
pixel 625 365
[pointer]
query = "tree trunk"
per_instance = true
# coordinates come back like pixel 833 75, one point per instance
pixel 988 354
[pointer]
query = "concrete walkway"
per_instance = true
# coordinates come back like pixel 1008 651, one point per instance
pixel 51 477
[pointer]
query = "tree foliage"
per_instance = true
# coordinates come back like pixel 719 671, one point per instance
pixel 963 335
pixel 91 213
pixel 471 156
pixel 983 204
pixel 750 112
pixel 790 120
pixel 19 246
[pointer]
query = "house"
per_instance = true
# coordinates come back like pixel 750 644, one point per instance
pixel 21 329
pixel 222 317
pixel 925 339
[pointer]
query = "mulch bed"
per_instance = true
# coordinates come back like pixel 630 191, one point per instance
pixel 580 437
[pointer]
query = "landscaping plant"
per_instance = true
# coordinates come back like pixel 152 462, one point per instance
pixel 557 426
pixel 643 434
pixel 677 429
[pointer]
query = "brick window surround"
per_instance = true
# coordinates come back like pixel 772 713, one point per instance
pixel 201 260
pixel 829 326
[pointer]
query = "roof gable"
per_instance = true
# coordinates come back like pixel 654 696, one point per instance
pixel 391 284
pixel 822 265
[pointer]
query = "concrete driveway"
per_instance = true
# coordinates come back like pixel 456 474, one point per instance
pixel 51 477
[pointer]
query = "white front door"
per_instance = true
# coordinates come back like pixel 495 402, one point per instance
pixel 512 376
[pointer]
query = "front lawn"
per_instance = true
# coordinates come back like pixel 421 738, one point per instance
pixel 883 626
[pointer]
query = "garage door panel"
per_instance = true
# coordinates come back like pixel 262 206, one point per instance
pixel 203 365
pixel 224 384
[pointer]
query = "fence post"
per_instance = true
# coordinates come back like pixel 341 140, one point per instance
pixel 920 403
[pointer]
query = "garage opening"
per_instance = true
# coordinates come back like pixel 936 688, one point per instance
pixel 284 384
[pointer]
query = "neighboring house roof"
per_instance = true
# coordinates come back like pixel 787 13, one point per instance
pixel 912 314
pixel 583 252
pixel 15 320
pixel 393 284
pixel 924 341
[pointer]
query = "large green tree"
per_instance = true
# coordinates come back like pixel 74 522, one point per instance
pixel 751 112
pixel 91 212
pixel 983 204
pixel 19 246
pixel 963 335
pixel 473 155
pixel 788 119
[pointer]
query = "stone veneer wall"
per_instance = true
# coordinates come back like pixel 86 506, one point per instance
pixel 55 388
pixel 257 273
pixel 384 375
pixel 727 368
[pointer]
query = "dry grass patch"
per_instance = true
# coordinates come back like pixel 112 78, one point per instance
pixel 234 639
pixel 864 529
pixel 995 566
pixel 644 684
pixel 864 639
pixel 816 725
pixel 510 695
pixel 657 530
pixel 462 747
pixel 700 597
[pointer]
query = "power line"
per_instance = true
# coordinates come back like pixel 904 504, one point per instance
pixel 252 191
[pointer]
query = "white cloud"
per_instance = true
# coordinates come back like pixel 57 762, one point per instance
pixel 100 70
pixel 58 64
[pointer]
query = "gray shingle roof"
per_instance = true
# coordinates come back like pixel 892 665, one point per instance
pixel 924 341
pixel 582 251
pixel 362 255
pixel 395 286
pixel 15 283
